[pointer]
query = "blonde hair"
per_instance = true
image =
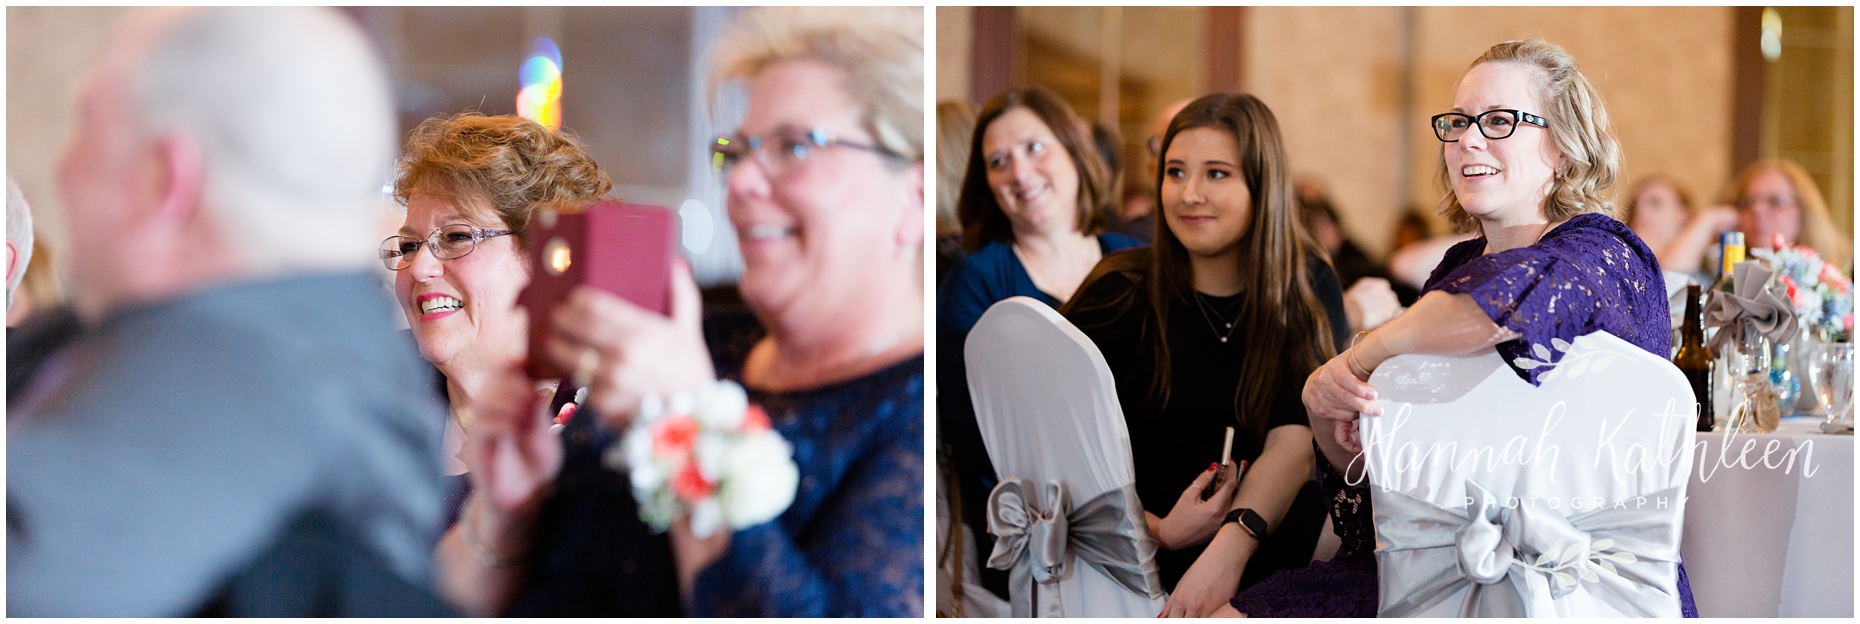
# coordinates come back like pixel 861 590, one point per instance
pixel 506 164
pixel 955 123
pixel 1579 128
pixel 881 49
pixel 1817 230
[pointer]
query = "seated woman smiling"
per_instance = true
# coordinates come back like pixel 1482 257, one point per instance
pixel 1216 326
pixel 470 184
pixel 1031 204
pixel 1527 159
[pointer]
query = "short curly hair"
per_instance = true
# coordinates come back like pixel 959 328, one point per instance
pixel 1579 128
pixel 506 165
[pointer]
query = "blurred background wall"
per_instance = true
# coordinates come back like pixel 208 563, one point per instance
pixel 1690 89
pixel 633 91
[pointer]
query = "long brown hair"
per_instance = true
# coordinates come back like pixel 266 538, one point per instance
pixel 1288 330
pixel 981 216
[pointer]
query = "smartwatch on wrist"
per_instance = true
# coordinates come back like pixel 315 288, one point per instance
pixel 1249 520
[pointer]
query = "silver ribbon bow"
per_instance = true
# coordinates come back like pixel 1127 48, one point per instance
pixel 1036 545
pixel 1519 559
pixel 1751 307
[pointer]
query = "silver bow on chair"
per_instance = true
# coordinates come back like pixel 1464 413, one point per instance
pixel 1518 560
pixel 1036 545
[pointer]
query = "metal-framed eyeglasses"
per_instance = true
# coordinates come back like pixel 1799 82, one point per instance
pixel 1777 201
pixel 781 151
pixel 449 242
pixel 1493 124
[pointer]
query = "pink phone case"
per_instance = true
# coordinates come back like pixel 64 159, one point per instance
pixel 624 249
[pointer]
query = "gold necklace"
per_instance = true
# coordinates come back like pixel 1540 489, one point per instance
pixel 1204 306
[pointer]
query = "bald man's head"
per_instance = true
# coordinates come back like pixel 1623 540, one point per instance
pixel 290 106
pixel 225 142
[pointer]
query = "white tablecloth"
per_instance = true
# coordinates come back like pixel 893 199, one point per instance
pixel 1772 538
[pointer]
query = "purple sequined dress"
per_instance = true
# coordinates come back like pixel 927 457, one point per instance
pixel 1589 274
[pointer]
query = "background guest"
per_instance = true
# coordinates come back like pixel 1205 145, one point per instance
pixel 232 433
pixel 1110 148
pixel 1370 299
pixel 955 126
pixel 1778 197
pixel 826 193
pixel 1662 214
pixel 1204 331
pixel 1138 215
pixel 1416 252
pixel 1411 228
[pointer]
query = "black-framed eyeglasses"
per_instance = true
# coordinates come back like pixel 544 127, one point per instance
pixel 1494 124
pixel 449 242
pixel 782 150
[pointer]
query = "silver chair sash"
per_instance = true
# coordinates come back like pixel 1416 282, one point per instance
pixel 1036 545
pixel 1519 559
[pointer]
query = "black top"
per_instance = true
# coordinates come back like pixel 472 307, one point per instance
pixel 1174 443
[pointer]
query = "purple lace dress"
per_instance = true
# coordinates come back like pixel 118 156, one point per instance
pixel 1589 274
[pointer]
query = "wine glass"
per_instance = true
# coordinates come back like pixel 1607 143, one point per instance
pixel 1831 371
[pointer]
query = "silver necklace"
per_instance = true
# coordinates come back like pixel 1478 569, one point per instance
pixel 1204 307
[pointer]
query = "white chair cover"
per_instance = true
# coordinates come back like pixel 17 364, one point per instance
pixel 1477 476
pixel 1048 411
pixel 976 600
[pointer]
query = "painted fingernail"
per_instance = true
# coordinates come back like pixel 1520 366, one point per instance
pixel 1213 465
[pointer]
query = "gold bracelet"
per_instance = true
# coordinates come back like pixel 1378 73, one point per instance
pixel 1355 365
pixel 468 533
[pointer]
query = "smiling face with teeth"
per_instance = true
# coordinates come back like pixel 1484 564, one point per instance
pixel 463 311
pixel 1034 179
pixel 1504 181
pixel 819 240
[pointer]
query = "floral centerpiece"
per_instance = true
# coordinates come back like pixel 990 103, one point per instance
pixel 711 456
pixel 1822 296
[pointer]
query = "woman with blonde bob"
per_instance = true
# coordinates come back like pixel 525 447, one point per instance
pixel 825 176
pixel 1527 159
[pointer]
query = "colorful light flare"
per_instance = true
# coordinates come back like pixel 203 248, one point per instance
pixel 541 76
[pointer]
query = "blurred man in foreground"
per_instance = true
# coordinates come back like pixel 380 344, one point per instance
pixel 232 432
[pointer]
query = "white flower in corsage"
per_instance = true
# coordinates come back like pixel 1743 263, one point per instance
pixel 711 456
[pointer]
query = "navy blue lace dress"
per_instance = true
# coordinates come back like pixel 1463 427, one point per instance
pixel 1589 274
pixel 852 544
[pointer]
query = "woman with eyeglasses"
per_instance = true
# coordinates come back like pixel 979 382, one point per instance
pixel 1032 203
pixel 1778 197
pixel 825 177
pixel 1527 158
pixel 1216 326
pixel 470 184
